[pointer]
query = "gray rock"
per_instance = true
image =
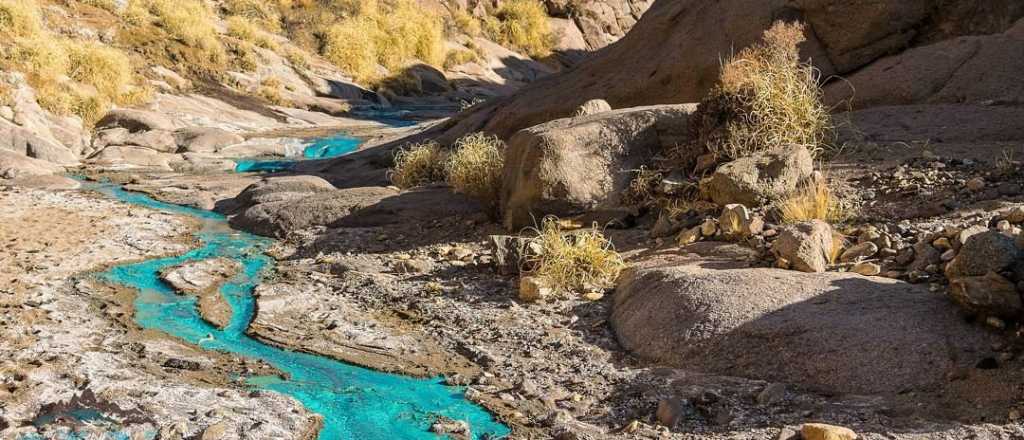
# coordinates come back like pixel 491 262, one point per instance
pixel 989 251
pixel 15 165
pixel 576 166
pixel 859 252
pixel 135 120
pixel 760 178
pixel 205 139
pixel 509 252
pixel 159 140
pixel 280 214
pixel 924 255
pixel 124 155
pixel 414 266
pixel 806 245
pixel 836 331
pixel 669 412
pixel 987 295
pixel 593 107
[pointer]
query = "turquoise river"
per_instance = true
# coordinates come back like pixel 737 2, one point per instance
pixel 355 402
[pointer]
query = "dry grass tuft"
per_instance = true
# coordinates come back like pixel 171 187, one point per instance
pixel 192 23
pixel 577 261
pixel 105 68
pixel 245 30
pixel 459 57
pixel 392 37
pixel 466 23
pixel 263 12
pixel 765 98
pixel 418 164
pixel 20 18
pixel 474 167
pixel 811 201
pixel 522 25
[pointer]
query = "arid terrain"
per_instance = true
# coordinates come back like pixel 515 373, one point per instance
pixel 228 219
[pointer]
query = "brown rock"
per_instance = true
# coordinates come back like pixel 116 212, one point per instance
pixel 987 295
pixel 534 289
pixel 821 431
pixel 805 245
pixel 760 178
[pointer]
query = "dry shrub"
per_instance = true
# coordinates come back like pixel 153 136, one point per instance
pixel 392 37
pixel 765 98
pixel 459 57
pixel 192 23
pixel 474 167
pixel 418 164
pixel 522 25
pixel 245 30
pixel 466 23
pixel 298 58
pixel 20 18
pixel 265 13
pixel 271 89
pixel 576 261
pixel 107 5
pixel 105 68
pixel 811 201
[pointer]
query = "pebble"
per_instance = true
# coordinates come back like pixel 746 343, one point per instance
pixel 822 431
pixel 867 269
pixel 533 289
pixel 975 184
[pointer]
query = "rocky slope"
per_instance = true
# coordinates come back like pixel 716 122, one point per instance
pixel 942 51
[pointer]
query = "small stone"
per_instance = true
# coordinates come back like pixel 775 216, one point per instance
pixel 1016 215
pixel 1003 225
pixel 773 393
pixel 859 252
pixel 708 228
pixel 976 184
pixel 942 244
pixel 821 431
pixel 669 412
pixel 1014 415
pixel 995 323
pixel 788 433
pixel 782 263
pixel 533 289
pixel 593 295
pixel 949 255
pixel 689 236
pixel 867 269
pixel 413 266
pixel 732 219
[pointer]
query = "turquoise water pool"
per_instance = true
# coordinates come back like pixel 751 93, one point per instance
pixel 355 402
pixel 322 148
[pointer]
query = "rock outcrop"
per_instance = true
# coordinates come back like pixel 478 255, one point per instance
pixel 582 165
pixel 674 52
pixel 840 332
pixel 760 178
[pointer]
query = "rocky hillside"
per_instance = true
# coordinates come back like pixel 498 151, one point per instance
pixel 926 51
pixel 246 66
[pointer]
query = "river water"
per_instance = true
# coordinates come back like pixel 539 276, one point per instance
pixel 355 402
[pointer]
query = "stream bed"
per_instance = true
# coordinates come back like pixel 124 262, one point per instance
pixel 355 402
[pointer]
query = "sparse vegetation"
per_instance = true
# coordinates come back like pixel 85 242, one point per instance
pixel 418 164
pixel 811 201
pixel 188 22
pixel 459 57
pixel 578 261
pixel 765 98
pixel 466 23
pixel 521 25
pixel 245 30
pixel 474 167
pixel 393 38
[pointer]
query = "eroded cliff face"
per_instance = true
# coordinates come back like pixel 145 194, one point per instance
pixel 673 53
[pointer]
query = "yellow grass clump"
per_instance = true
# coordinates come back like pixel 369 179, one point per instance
pixel 809 202
pixel 577 261
pixel 393 37
pixel 466 23
pixel 521 25
pixel 765 98
pixel 474 167
pixel 264 12
pixel 20 18
pixel 459 57
pixel 245 30
pixel 192 23
pixel 418 164
pixel 105 68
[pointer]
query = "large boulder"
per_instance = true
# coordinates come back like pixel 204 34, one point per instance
pixel 159 140
pixel 278 218
pixel 276 189
pixel 135 120
pixel 760 178
pixel 24 141
pixel 989 251
pixel 674 53
pixel 582 165
pixel 805 246
pixel 839 332
pixel 205 139
pixel 987 295
pixel 16 165
pixel 133 157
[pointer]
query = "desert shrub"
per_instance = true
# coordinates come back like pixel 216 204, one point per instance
pixel 192 23
pixel 107 5
pixel 245 30
pixel 298 58
pixel 352 46
pixel 20 18
pixel 474 167
pixel 575 261
pixel 392 38
pixel 271 89
pixel 418 164
pixel 521 25
pixel 459 57
pixel 265 13
pixel 811 201
pixel 466 23
pixel 765 98
pixel 105 68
